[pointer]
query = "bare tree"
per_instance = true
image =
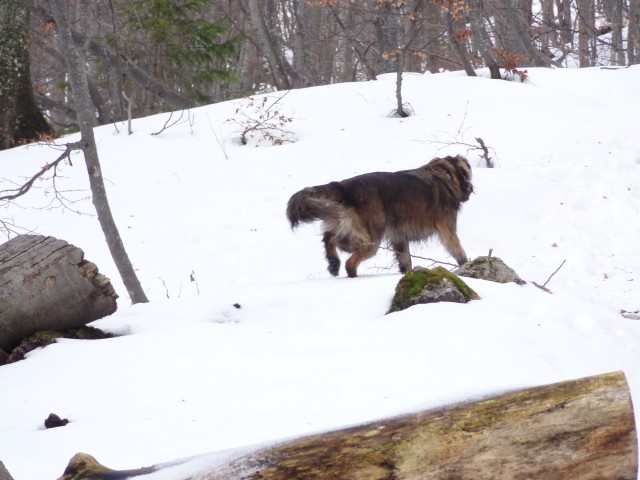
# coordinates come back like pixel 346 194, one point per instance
pixel 86 118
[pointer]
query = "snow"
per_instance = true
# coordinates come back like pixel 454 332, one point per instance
pixel 303 352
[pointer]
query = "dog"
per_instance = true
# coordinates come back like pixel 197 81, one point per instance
pixel 399 207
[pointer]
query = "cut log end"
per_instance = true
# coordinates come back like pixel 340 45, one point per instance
pixel 46 284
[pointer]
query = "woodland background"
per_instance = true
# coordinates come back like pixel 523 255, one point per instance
pixel 143 57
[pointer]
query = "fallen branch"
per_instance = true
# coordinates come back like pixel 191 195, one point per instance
pixel 485 155
pixel 544 285
pixel 458 139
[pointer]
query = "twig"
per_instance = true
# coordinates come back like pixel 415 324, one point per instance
pixel 166 290
pixel 192 277
pixel 419 257
pixel 544 285
pixel 9 227
pixel 129 106
pixel 179 120
pixel 219 140
pixel 464 117
pixel 18 192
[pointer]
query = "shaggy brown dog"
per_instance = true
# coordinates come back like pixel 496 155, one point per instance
pixel 401 207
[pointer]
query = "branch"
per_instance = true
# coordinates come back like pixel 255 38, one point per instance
pixel 18 192
pixel 168 124
pixel 419 257
pixel 544 285
pixel 486 156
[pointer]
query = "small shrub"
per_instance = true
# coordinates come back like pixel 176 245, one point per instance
pixel 260 120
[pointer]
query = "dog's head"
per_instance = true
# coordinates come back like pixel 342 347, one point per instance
pixel 458 171
pixel 463 171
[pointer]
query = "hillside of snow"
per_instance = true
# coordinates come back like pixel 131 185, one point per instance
pixel 265 344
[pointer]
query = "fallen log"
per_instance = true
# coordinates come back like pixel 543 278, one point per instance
pixel 46 284
pixel 581 429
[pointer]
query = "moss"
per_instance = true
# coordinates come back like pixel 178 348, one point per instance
pixel 415 282
pixel 47 337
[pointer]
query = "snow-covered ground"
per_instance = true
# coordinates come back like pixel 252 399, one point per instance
pixel 191 373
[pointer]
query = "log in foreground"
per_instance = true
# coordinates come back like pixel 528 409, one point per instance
pixel 581 429
pixel 46 284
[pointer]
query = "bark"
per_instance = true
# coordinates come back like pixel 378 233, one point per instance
pixel 387 25
pixel 353 43
pixel 576 430
pixel 46 284
pixel 130 70
pixel 615 13
pixel 265 44
pixel 86 120
pixel 586 32
pixel 4 473
pixel 482 39
pixel 400 111
pixel 123 66
pixel 304 57
pixel 633 35
pixel 85 467
pixel 564 20
pixel 458 49
pixel 20 118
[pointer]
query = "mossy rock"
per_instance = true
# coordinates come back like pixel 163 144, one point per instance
pixel 423 285
pixel 47 337
pixel 492 269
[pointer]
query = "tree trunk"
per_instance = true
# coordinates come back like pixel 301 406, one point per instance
pixel 458 49
pixel 20 118
pixel 46 284
pixel 400 111
pixel 86 119
pixel 387 26
pixel 633 35
pixel 482 38
pixel 586 32
pixel 266 45
pixel 576 430
pixel 4 474
pixel 304 57
pixel 349 35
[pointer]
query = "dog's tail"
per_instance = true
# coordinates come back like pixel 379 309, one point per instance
pixel 324 202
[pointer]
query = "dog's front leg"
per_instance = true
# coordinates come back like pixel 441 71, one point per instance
pixel 401 249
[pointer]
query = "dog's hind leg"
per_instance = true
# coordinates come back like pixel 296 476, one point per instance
pixel 331 252
pixel 401 249
pixel 362 252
